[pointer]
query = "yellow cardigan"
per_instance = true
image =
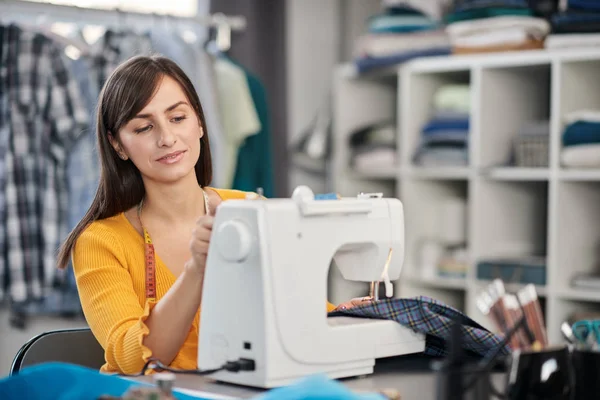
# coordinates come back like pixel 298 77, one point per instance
pixel 108 261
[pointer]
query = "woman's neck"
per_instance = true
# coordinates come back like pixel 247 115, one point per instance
pixel 182 201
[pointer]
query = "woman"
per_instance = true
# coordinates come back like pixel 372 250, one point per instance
pixel 139 253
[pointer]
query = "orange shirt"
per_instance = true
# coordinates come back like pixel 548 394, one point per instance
pixel 109 266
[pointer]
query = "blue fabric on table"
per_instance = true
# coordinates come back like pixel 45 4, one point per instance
pixel 317 387
pixel 59 381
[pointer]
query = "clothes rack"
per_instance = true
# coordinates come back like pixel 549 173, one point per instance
pixel 22 11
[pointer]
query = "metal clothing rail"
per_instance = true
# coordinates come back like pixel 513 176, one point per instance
pixel 31 12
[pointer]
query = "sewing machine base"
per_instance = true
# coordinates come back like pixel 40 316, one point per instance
pixel 296 371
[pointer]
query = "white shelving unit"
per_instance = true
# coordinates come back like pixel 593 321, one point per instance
pixel 552 212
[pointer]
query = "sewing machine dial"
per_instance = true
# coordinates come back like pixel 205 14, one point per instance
pixel 234 240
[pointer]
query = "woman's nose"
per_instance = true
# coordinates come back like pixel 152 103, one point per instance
pixel 166 138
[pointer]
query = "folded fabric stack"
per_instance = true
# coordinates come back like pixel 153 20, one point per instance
pixel 373 147
pixel 531 146
pixel 581 140
pixel 484 26
pixel 399 34
pixel 445 138
pixel 578 26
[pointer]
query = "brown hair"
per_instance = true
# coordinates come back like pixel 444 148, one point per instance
pixel 126 92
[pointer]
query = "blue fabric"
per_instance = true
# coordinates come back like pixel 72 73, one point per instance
pixel 60 381
pixel 581 132
pixel 576 22
pixel 584 5
pixel 445 124
pixel 477 4
pixel 317 387
pixel 486 12
pixel 370 63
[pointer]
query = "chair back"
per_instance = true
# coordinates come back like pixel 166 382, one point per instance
pixel 74 346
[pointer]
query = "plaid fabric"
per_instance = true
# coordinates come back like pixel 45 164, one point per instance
pixel 432 318
pixel 46 118
pixel 111 50
pixel 4 134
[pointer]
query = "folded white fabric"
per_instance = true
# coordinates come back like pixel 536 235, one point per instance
pixel 375 159
pixel 505 36
pixel 584 115
pixel 572 40
pixel 581 156
pixel 536 27
pixel 380 45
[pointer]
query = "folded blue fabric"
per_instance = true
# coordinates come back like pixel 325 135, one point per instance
pixel 476 4
pixel 576 22
pixel 581 132
pixel 371 63
pixel 317 387
pixel 445 124
pixel 584 5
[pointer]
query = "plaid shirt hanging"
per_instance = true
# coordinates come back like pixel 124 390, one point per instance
pixel 432 318
pixel 46 117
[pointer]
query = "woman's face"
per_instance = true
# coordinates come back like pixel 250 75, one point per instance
pixel 163 140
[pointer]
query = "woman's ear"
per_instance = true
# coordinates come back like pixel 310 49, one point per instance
pixel 117 146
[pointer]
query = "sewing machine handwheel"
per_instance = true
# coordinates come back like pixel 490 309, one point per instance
pixel 234 241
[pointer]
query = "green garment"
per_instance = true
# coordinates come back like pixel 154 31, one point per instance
pixel 255 157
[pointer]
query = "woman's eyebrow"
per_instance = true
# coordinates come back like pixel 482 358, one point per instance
pixel 169 109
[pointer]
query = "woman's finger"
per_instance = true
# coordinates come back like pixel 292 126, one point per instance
pixel 205 222
pixel 201 233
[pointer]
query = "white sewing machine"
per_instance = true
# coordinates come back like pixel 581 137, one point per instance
pixel 265 288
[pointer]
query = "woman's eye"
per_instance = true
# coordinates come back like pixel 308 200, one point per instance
pixel 143 129
pixel 178 119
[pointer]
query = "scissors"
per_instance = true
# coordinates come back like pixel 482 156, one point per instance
pixel 587 332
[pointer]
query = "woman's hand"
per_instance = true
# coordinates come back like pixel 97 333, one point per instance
pixel 200 242
pixel 354 302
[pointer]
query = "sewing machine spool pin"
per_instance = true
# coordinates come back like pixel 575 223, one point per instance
pixel 374 291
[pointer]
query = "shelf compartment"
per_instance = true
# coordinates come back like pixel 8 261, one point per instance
pixel 358 104
pixel 438 282
pixel 388 173
pixel 569 311
pixel 440 173
pixel 516 174
pixel 510 221
pixel 435 214
pixel 417 92
pixel 512 98
pixel 581 175
pixel 452 296
pixel 578 251
pixel 579 89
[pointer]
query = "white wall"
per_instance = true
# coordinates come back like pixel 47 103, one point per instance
pixel 317 40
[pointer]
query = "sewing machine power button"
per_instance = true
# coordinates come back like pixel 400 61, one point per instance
pixel 234 240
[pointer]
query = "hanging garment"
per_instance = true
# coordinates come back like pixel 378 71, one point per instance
pixel 112 49
pixel 255 157
pixel 433 319
pixel 238 113
pixel 4 135
pixel 46 119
